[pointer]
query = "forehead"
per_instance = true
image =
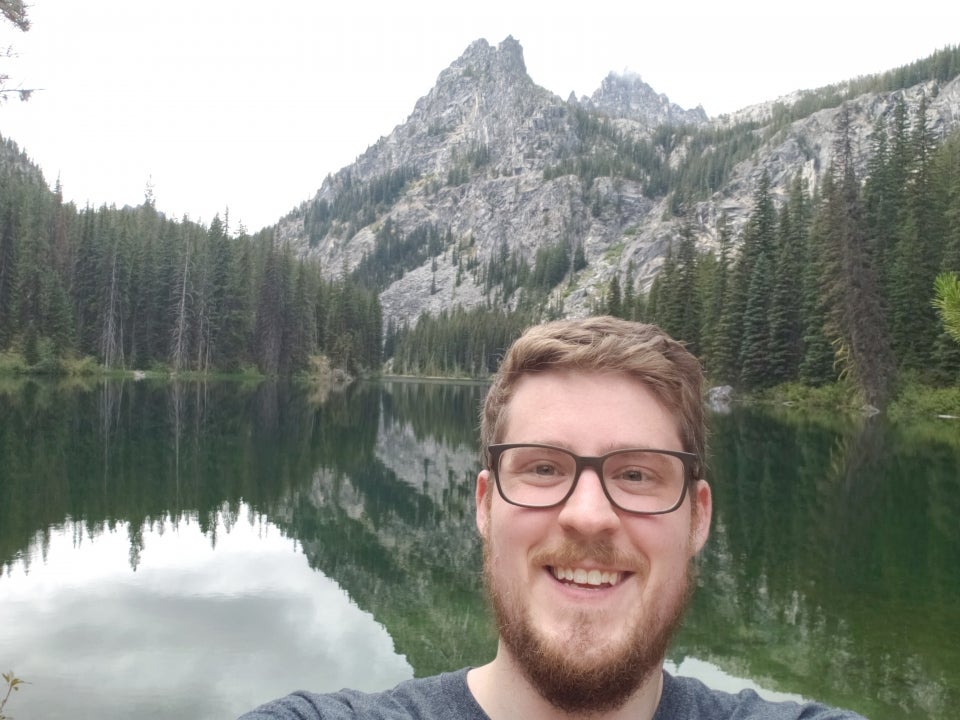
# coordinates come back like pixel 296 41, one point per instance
pixel 589 412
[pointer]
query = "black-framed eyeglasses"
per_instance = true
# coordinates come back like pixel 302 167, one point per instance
pixel 642 481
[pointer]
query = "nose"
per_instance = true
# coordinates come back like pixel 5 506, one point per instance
pixel 588 511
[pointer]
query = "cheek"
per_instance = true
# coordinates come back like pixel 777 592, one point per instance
pixel 513 534
pixel 665 547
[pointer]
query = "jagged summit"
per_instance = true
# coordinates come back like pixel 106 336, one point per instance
pixel 508 55
pixel 628 96
pixel 482 70
pixel 492 178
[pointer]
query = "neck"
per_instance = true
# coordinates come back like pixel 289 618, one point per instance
pixel 501 688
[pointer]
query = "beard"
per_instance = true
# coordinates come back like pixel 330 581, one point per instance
pixel 575 671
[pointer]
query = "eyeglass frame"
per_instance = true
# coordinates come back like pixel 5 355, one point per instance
pixel 689 460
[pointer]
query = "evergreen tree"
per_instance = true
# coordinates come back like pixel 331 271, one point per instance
pixel 755 280
pixel 303 323
pixel 855 302
pixel 270 313
pixel 817 362
pixel 916 255
pixel 946 353
pixel 614 299
pixel 687 299
pixel 237 322
pixel 755 368
pixel 629 294
pixel 721 322
pixel 8 263
pixel 785 320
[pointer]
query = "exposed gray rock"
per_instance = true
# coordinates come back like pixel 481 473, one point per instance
pixel 720 398
pixel 481 140
pixel 627 96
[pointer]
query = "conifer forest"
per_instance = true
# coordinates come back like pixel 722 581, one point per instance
pixel 831 282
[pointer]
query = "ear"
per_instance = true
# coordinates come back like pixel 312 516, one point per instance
pixel 484 487
pixel 702 496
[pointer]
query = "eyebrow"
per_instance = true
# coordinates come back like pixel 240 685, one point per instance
pixel 604 449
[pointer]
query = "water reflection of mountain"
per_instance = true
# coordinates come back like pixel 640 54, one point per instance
pixel 395 526
pixel 831 571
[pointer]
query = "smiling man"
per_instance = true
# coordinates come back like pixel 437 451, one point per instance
pixel 592 506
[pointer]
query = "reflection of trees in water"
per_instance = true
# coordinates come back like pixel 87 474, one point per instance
pixel 148 454
pixel 428 436
pixel 408 556
pixel 445 412
pixel 142 453
pixel 413 564
pixel 822 568
pixel 831 570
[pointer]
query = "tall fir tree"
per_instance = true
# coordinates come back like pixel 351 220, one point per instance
pixel 785 320
pixel 755 280
pixel 719 351
pixel 856 307
pixel 817 366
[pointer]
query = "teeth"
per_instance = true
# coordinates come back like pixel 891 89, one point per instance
pixel 586 577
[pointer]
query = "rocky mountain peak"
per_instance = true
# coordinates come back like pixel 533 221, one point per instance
pixel 507 57
pixel 628 96
pixel 483 65
pixel 492 178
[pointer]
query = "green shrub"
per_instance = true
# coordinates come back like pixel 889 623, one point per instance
pixel 12 363
pixel 833 396
pixel 918 400
pixel 86 365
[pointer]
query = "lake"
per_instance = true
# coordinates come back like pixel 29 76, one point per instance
pixel 190 550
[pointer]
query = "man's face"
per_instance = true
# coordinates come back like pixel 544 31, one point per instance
pixel 588 646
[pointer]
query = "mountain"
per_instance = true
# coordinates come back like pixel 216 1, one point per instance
pixel 497 191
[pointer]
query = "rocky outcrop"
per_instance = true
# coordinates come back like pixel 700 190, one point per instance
pixel 490 159
pixel 628 97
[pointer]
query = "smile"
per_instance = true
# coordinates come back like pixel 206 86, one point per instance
pixel 590 578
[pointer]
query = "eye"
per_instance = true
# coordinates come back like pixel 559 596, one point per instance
pixel 536 465
pixel 632 474
pixel 642 468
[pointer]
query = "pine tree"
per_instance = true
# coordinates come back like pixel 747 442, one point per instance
pixel 946 352
pixel 784 314
pixel 721 322
pixel 8 263
pixel 236 328
pixel 687 299
pixel 856 310
pixel 614 299
pixel 755 280
pixel 629 294
pixel 817 362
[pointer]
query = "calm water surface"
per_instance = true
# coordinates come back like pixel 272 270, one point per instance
pixel 191 550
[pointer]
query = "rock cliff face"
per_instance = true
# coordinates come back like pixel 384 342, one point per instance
pixel 628 97
pixel 489 159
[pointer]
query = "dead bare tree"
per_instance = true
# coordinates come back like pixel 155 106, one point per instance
pixel 181 328
pixel 111 329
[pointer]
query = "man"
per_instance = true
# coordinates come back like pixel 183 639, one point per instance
pixel 592 506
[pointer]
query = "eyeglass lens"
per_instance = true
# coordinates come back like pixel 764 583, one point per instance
pixel 636 480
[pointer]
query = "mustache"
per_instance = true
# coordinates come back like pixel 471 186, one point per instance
pixel 570 553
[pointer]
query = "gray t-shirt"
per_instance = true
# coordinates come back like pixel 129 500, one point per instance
pixel 446 696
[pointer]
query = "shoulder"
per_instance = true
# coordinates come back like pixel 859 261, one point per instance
pixel 686 698
pixel 438 696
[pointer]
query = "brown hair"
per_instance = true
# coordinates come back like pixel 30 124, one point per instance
pixel 604 344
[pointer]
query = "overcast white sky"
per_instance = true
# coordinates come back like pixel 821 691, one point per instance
pixel 249 105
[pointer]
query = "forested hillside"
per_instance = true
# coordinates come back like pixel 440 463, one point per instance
pixel 836 283
pixel 130 288
pixel 794 241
